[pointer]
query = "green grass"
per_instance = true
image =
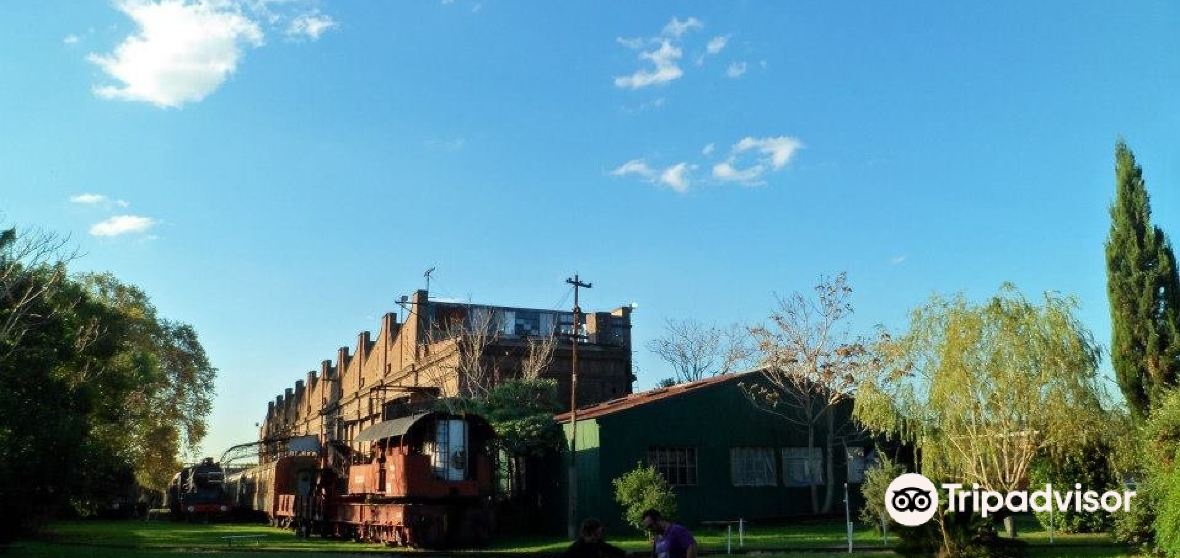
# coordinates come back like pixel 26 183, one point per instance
pixel 812 539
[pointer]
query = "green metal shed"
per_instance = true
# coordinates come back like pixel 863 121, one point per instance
pixel 726 458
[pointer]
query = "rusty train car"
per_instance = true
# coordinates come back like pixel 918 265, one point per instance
pixel 422 480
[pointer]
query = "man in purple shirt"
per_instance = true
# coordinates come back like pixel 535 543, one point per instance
pixel 672 539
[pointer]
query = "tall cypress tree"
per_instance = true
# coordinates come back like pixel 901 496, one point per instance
pixel 1144 291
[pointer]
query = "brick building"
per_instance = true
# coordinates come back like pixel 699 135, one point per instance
pixel 417 360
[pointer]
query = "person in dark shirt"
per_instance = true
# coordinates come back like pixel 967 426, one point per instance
pixel 591 545
pixel 672 540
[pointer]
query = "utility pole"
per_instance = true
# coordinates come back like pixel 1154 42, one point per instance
pixel 572 527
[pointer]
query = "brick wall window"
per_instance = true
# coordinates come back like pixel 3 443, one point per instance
pixel 678 465
pixel 752 466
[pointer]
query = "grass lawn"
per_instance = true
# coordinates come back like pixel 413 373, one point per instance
pixel 812 539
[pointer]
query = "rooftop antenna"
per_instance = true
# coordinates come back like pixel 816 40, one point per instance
pixel 427 276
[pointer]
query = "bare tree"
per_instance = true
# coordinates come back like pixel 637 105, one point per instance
pixel 811 366
pixel 695 350
pixel 473 371
pixel 539 357
pixel 31 249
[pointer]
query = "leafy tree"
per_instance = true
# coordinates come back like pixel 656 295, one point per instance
pixel 1144 292
pixel 982 389
pixel 641 489
pixel 521 411
pixel 96 389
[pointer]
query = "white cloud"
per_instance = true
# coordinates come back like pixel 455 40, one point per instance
pixel 666 68
pixel 717 44
pixel 310 25
pixel 735 70
pixel 676 177
pixel 677 28
pixel 726 172
pixel 180 53
pixel 631 42
pixel 122 224
pixel 749 162
pixel 779 148
pixel 665 59
pixel 88 199
pixel 773 154
pixel 895 260
pixel 636 167
pixel 70 39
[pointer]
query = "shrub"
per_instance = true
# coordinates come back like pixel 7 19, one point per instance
pixel 1162 438
pixel 643 488
pixel 873 489
pixel 1089 466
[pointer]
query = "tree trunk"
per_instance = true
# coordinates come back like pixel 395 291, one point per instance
pixel 810 475
pixel 829 466
pixel 1010 526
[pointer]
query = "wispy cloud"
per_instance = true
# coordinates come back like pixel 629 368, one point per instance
pixel 122 224
pixel 183 50
pixel 770 154
pixel 88 199
pixel 664 57
pixel 717 44
pixel 748 163
pixel 675 177
pixel 735 70
pixel 665 67
pixel 452 144
pixel 98 200
pixel 895 260
pixel 637 167
pixel 70 39
pixel 310 25
pixel 678 27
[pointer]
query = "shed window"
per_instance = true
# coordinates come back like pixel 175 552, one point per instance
pixel 752 466
pixel 856 464
pixel 678 465
pixel 802 467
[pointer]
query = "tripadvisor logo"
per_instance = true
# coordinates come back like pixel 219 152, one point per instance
pixel 912 499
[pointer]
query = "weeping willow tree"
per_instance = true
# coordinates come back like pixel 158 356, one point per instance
pixel 979 390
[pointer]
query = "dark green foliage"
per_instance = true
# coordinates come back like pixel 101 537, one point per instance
pixel 874 487
pixel 641 489
pixel 1090 466
pixel 966 536
pixel 97 393
pixel 1144 292
pixel 1162 435
pixel 521 411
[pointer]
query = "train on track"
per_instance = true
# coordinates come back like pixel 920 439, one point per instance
pixel 422 480
pixel 198 492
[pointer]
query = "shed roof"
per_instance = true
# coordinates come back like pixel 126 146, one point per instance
pixel 650 396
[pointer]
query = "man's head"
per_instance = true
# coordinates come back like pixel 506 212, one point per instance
pixel 654 522
pixel 592 530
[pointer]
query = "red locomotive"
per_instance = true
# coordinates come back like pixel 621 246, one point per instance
pixel 420 480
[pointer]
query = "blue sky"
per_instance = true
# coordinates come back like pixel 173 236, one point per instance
pixel 278 173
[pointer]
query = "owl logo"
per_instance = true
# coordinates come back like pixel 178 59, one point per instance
pixel 911 499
